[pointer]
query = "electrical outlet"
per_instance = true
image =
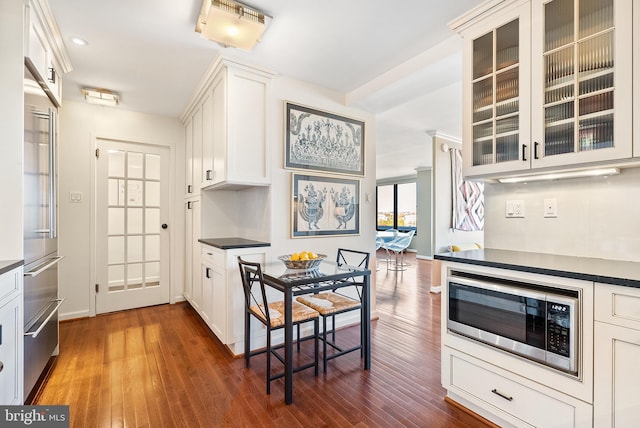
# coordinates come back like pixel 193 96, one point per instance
pixel 514 208
pixel 550 208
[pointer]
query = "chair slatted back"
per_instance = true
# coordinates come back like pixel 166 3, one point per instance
pixel 251 273
pixel 353 258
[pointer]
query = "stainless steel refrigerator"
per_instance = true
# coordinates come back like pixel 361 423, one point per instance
pixel 41 302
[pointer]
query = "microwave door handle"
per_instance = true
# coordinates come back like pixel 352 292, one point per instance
pixel 36 272
pixel 52 174
pixel 507 289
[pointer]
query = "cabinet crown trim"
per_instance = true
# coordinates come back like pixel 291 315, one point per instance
pixel 52 33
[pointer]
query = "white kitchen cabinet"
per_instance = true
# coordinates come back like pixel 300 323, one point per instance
pixel 221 305
pixel 214 295
pixel 636 87
pixel 190 159
pixel 565 103
pixel 44 50
pixel 11 338
pixel 192 282
pixel 515 400
pixel 496 82
pixel 617 333
pixel 236 150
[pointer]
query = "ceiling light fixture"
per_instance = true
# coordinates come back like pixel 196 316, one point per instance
pixel 231 24
pixel 79 41
pixel 559 175
pixel 102 97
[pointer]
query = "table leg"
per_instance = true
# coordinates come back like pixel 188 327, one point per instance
pixel 366 323
pixel 288 348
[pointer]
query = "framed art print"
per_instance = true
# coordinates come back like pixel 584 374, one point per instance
pixel 323 142
pixel 325 206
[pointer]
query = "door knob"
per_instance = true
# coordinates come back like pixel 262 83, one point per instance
pixel 164 225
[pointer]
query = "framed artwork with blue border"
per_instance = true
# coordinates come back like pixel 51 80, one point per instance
pixel 323 142
pixel 324 206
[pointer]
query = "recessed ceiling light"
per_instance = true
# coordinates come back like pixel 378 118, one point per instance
pixel 79 41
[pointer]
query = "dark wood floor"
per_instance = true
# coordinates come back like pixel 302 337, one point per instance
pixel 161 367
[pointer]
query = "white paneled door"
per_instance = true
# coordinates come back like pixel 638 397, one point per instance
pixel 132 235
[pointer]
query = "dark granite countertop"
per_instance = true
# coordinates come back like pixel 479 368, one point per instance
pixel 7 265
pixel 589 269
pixel 232 243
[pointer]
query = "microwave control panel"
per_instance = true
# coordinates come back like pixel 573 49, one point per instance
pixel 558 328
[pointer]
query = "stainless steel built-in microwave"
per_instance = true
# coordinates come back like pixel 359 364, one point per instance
pixel 538 322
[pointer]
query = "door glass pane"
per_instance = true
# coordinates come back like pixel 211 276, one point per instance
pixel 116 163
pixel 596 133
pixel 596 103
pixel 559 67
pixel 483 55
pixel 134 221
pixel 152 273
pixel 116 277
pixel 558 24
pixel 507 148
pixel 595 55
pixel 134 275
pixel 134 193
pixel 559 139
pixel 483 100
pixel 595 16
pixel 558 112
pixel 152 248
pixel 134 249
pixel 115 249
pixel 152 220
pixel 116 192
pixel 152 167
pixel 115 217
pixel 134 166
pixel 386 217
pixel 507 43
pixel 152 193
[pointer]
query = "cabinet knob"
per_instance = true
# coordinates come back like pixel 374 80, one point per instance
pixel 164 225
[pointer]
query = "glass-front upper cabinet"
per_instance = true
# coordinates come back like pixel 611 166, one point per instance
pixel 496 111
pixel 581 81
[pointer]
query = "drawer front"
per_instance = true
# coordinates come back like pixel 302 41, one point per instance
pixel 213 256
pixel 10 283
pixel 526 404
pixel 618 305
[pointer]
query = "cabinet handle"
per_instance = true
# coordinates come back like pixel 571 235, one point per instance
pixel 189 188
pixel 208 175
pixel 189 205
pixel 506 397
pixel 535 150
pixel 52 75
pixel 524 152
pixel 1 366
pixel 207 273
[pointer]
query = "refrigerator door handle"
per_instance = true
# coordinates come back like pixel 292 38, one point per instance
pixel 35 333
pixel 52 175
pixel 44 267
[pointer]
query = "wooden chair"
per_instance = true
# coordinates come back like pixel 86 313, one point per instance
pixel 330 304
pixel 271 315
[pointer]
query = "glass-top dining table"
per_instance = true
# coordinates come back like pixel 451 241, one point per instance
pixel 327 276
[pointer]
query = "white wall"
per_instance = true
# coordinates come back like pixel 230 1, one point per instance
pixel 301 93
pixel 424 188
pixel 597 217
pixel 11 129
pixel 80 125
pixel 443 234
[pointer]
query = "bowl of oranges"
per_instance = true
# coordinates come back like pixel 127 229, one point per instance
pixel 303 260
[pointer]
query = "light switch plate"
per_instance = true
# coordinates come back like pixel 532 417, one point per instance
pixel 550 208
pixel 514 208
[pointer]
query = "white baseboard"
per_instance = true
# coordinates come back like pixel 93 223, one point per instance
pixel 63 316
pixel 424 257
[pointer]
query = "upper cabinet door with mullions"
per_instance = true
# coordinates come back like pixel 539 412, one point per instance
pixel 496 93
pixel 581 84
